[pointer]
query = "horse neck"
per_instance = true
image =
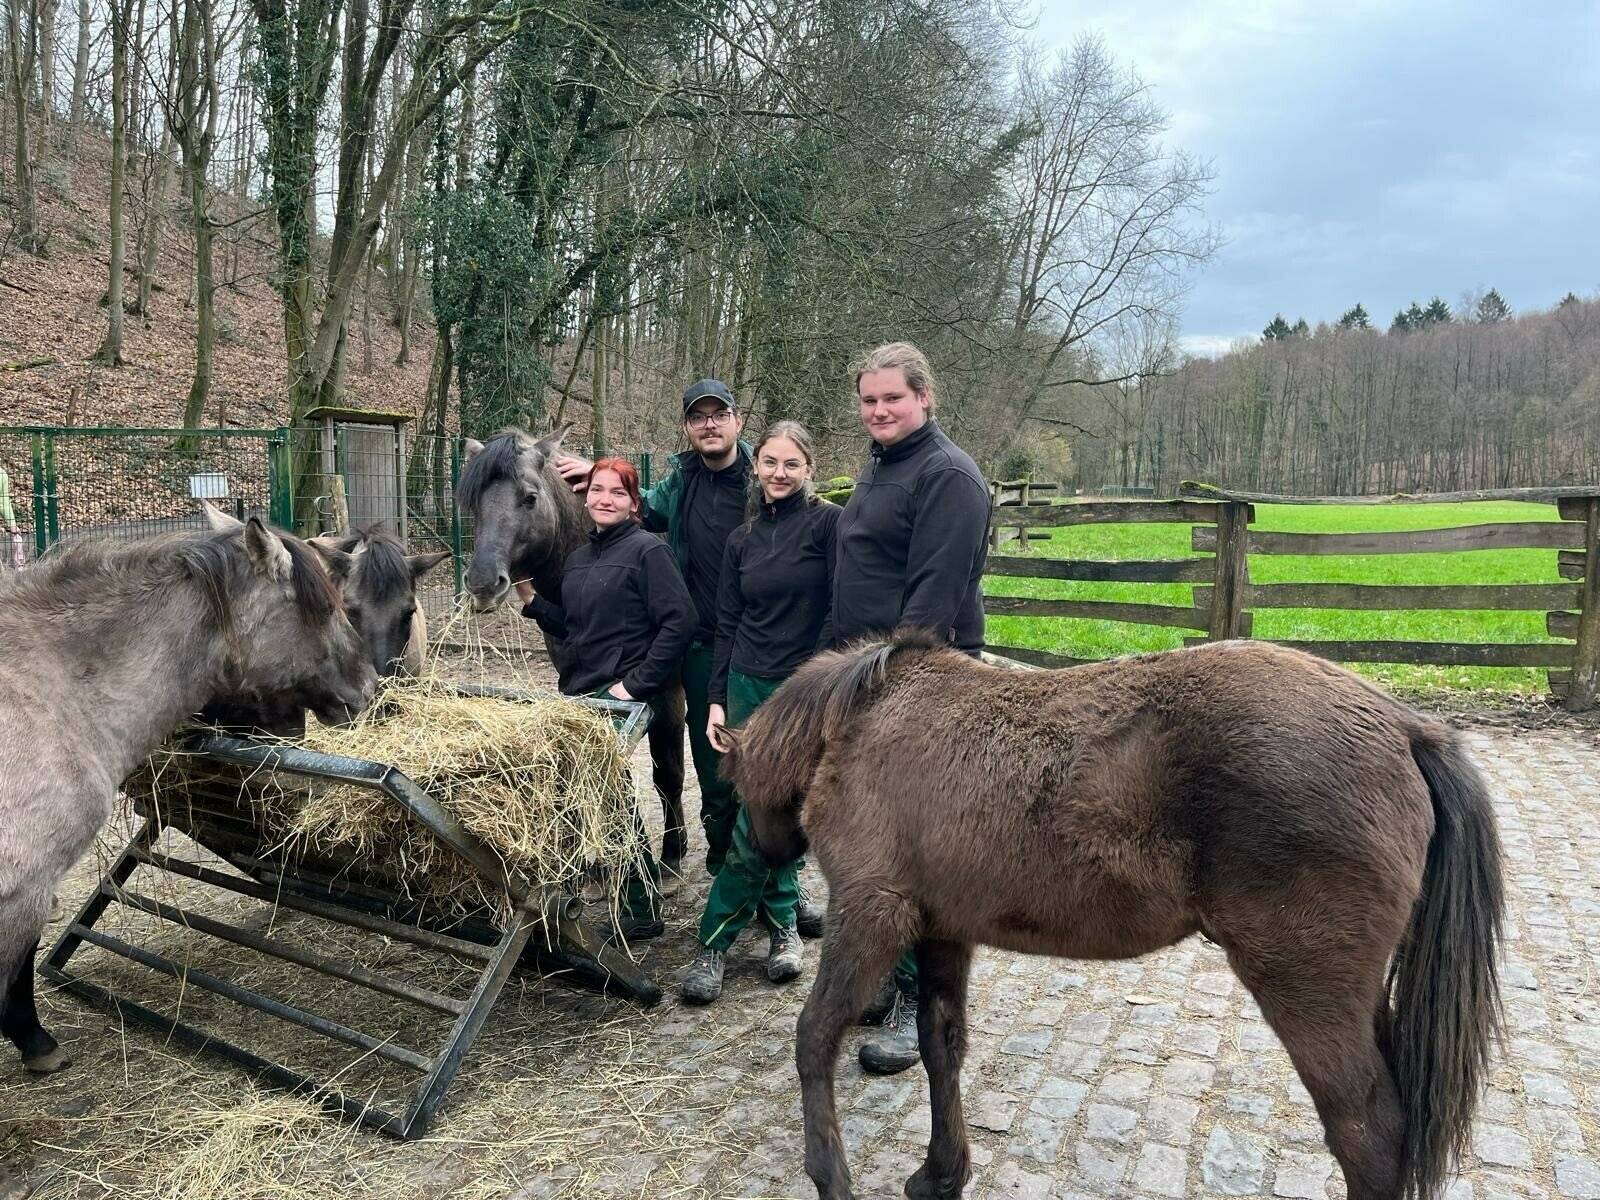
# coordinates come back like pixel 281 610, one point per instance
pixel 129 680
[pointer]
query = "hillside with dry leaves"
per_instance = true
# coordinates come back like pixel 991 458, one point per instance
pixel 52 319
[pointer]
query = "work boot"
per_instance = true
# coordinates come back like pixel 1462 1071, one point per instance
pixel 628 928
pixel 895 1049
pixel 702 983
pixel 881 1005
pixel 809 916
pixel 784 953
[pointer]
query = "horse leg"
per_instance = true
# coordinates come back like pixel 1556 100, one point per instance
pixel 854 957
pixel 1322 1002
pixel 942 969
pixel 20 1022
pixel 665 734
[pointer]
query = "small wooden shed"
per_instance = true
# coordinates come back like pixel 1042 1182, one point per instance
pixel 366 449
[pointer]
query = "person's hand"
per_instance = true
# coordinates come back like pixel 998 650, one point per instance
pixel 618 692
pixel 574 470
pixel 525 591
pixel 717 728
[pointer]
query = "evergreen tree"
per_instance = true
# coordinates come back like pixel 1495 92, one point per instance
pixel 1301 329
pixel 1492 309
pixel 1569 298
pixel 1355 318
pixel 1437 313
pixel 1277 329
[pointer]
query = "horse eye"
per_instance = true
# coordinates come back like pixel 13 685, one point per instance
pixel 353 612
pixel 530 500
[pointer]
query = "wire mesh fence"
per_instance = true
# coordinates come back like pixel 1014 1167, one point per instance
pixel 338 472
pixel 64 485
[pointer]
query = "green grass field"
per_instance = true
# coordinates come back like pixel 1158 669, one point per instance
pixel 1104 639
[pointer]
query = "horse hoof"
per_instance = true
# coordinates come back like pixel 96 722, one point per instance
pixel 925 1186
pixel 47 1063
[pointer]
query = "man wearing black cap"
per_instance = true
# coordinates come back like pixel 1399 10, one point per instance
pixel 698 505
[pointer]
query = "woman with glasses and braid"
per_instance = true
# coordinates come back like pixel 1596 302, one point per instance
pixel 774 593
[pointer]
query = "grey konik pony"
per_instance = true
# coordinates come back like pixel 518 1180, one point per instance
pixel 378 581
pixel 108 648
pixel 527 519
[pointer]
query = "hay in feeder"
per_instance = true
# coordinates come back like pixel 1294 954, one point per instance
pixel 542 784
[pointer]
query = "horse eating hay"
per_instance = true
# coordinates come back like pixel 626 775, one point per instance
pixel 1338 846
pixel 108 648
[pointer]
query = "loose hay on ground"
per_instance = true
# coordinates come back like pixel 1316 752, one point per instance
pixel 542 784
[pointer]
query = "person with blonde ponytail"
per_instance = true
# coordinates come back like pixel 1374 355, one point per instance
pixel 774 594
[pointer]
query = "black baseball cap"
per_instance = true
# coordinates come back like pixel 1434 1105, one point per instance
pixel 707 389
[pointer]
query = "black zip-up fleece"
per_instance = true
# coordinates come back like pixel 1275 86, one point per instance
pixel 624 614
pixel 777 587
pixel 712 507
pixel 912 543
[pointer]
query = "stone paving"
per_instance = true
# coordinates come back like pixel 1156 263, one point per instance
pixel 1153 1078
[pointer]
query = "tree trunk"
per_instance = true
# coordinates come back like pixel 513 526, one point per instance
pixel 21 50
pixel 110 352
pixel 205 299
pixel 599 386
pixel 150 234
pixel 80 73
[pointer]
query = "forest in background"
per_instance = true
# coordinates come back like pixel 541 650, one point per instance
pixel 490 213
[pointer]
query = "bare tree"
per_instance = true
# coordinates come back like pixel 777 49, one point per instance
pixel 122 12
pixel 22 55
pixel 1106 221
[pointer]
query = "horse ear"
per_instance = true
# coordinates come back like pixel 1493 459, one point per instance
pixel 219 521
pixel 334 556
pixel 550 445
pixel 421 564
pixel 470 449
pixel 266 551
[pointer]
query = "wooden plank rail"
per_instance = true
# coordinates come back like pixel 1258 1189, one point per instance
pixel 1098 610
pixel 1087 570
pixel 1107 512
pixel 1510 535
pixel 1570 564
pixel 1445 654
pixel 1383 597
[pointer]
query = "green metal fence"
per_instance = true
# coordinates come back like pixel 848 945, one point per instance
pixel 70 483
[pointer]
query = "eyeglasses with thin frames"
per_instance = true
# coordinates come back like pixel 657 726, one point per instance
pixel 699 420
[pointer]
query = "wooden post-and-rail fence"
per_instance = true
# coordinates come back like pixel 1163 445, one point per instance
pixel 1224 597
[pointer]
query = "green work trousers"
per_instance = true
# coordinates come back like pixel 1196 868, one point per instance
pixel 746 886
pixel 641 893
pixel 719 807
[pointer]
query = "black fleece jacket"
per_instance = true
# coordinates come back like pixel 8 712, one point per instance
pixel 624 614
pixel 912 543
pixel 776 589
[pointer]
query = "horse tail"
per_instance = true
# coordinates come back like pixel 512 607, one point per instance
pixel 777 750
pixel 1444 983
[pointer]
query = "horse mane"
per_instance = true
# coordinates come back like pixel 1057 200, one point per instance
pixel 777 751
pixel 383 569
pixel 499 459
pixel 213 562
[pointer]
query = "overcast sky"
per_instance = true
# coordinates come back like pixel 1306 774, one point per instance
pixel 1373 152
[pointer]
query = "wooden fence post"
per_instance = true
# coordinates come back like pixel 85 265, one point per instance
pixel 1586 655
pixel 1232 570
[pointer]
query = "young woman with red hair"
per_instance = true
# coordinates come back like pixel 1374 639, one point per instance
pixel 624 619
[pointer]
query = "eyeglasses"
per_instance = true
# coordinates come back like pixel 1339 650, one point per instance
pixel 717 416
